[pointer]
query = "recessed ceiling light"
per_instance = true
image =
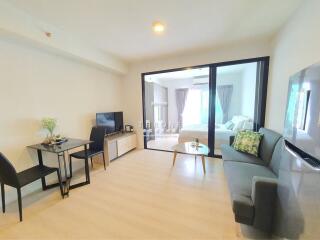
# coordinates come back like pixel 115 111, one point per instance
pixel 158 27
pixel 48 34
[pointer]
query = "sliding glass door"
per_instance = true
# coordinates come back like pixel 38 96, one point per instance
pixel 209 103
pixel 176 107
pixel 235 102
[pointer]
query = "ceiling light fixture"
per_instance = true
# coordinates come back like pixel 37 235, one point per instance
pixel 48 34
pixel 158 27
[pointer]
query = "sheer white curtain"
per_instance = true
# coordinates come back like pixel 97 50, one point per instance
pixel 192 111
pixel 197 106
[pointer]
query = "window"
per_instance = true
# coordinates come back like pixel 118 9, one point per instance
pixel 197 106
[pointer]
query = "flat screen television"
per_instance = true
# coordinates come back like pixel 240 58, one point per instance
pixel 112 121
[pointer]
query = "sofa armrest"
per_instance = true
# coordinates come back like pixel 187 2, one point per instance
pixel 243 209
pixel 231 140
pixel 264 192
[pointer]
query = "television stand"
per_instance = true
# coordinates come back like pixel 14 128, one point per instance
pixel 118 144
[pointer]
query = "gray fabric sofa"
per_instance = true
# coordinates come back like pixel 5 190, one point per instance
pixel 253 180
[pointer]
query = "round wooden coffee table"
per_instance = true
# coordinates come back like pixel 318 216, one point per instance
pixel 191 149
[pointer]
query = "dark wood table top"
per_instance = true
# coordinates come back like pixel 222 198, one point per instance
pixel 70 144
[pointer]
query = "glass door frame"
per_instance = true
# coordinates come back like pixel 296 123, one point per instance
pixel 260 98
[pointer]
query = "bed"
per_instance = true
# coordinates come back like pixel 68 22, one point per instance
pixel 200 131
pixel 222 131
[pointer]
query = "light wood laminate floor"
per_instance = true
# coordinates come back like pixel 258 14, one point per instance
pixel 140 196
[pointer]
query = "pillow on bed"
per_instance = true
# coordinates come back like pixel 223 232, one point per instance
pixel 238 122
pixel 238 126
pixel 229 125
pixel 248 142
pixel 247 124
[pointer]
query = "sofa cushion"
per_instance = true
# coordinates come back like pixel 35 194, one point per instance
pixel 268 143
pixel 240 176
pixel 276 157
pixel 230 154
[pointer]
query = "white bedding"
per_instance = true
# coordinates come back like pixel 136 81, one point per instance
pixel 200 131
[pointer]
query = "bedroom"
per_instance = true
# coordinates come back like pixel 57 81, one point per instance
pixel 177 105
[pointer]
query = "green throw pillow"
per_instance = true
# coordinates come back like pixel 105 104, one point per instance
pixel 248 142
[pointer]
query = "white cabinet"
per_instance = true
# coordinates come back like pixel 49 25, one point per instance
pixel 125 144
pixel 119 144
pixel 112 149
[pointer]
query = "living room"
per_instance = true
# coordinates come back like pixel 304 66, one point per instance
pixel 70 60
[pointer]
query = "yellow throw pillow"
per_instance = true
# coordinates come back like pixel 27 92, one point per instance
pixel 248 142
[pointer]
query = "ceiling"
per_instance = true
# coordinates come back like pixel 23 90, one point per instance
pixel 123 27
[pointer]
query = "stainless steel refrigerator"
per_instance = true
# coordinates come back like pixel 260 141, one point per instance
pixel 298 206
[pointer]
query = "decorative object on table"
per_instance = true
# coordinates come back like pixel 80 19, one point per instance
pixel 54 140
pixel 58 139
pixel 128 128
pixel 248 141
pixel 195 143
pixel 50 124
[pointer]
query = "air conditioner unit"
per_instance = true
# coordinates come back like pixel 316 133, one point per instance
pixel 200 81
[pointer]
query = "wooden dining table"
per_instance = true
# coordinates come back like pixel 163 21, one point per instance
pixel 60 150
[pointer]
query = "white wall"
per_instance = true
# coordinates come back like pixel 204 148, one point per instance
pixel 133 91
pixel 296 46
pixel 35 84
pixel 17 24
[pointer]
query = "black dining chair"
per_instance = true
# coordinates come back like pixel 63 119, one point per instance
pixel 95 148
pixel 10 177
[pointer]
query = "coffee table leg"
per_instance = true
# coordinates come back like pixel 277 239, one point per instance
pixel 203 163
pixel 174 157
